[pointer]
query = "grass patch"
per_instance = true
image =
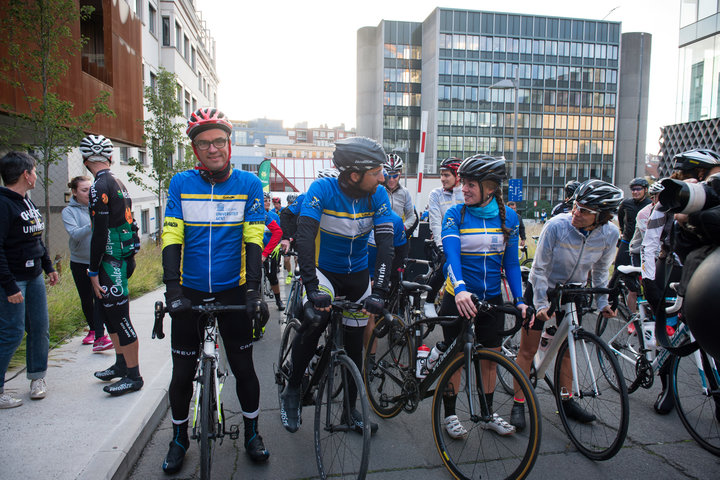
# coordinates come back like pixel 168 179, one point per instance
pixel 64 308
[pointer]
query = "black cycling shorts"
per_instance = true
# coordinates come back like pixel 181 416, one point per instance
pixel 488 326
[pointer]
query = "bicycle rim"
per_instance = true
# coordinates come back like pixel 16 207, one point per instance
pixel 385 372
pixel 483 453
pixel 622 338
pixel 341 451
pixel 697 409
pixel 208 425
pixel 606 398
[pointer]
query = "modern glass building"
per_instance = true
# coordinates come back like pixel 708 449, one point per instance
pixel 567 75
pixel 697 110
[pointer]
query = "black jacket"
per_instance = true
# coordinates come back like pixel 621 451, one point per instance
pixel 23 255
pixel 627 213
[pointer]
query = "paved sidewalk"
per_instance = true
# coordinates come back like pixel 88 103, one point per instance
pixel 78 431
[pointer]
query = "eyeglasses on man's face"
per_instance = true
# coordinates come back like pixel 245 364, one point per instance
pixel 218 143
pixel 636 189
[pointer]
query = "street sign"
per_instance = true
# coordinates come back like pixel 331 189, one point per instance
pixel 515 190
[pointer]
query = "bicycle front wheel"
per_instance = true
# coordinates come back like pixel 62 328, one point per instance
pixel 602 394
pixel 385 370
pixel 208 419
pixel 483 453
pixel 341 448
pixel 697 398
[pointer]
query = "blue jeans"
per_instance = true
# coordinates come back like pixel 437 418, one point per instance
pixel 30 316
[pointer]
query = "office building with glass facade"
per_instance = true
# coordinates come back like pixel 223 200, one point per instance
pixel 697 111
pixel 566 73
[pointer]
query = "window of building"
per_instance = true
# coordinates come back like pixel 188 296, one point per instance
pixel 166 31
pixel 192 57
pixel 142 156
pixel 186 48
pixel 178 37
pixel 97 50
pixel 145 221
pixel 124 155
pixel 152 19
pixel 153 81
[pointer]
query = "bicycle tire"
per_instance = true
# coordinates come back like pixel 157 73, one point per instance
pixel 625 344
pixel 699 411
pixel 340 451
pixel 208 424
pixel 527 262
pixel 283 369
pixel 510 345
pixel 602 438
pixel 483 453
pixel 384 377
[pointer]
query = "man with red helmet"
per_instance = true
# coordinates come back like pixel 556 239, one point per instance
pixel 439 201
pixel 213 213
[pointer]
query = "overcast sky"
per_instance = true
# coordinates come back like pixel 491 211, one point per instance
pixel 296 61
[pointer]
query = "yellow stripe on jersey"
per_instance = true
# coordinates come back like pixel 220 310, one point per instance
pixel 253 233
pixel 480 230
pixel 348 214
pixel 216 224
pixel 350 237
pixel 173 231
pixel 208 196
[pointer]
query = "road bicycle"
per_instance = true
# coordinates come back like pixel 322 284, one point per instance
pixel 208 417
pixel 266 287
pixel 340 449
pixel 293 305
pixel 390 374
pixel 596 382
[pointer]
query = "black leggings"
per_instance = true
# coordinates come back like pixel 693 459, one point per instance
pixel 185 339
pixel 90 306
pixel 487 325
pixel 271 266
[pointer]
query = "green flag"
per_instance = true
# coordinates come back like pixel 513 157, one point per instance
pixel 264 174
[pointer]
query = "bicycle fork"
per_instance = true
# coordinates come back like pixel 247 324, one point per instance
pixel 473 383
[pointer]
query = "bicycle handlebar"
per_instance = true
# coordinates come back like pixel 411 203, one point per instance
pixel 209 308
pixel 573 289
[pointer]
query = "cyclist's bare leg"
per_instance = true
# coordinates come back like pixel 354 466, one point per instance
pixel 529 343
pixel 367 333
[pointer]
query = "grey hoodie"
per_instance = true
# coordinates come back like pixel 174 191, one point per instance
pixel 565 255
pixel 76 218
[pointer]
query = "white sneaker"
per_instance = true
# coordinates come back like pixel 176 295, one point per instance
pixel 6 401
pixel 498 425
pixel 454 428
pixel 430 310
pixel 38 389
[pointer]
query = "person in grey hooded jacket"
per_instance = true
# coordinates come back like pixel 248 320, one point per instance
pixel 76 218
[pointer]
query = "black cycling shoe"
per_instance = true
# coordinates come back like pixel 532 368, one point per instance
pixel 517 416
pixel 357 423
pixel 576 412
pixel 254 445
pixel 178 448
pixel 665 402
pixel 291 408
pixel 112 372
pixel 123 386
pixel 279 304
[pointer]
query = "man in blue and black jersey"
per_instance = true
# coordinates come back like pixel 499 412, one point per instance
pixel 212 243
pixel 331 240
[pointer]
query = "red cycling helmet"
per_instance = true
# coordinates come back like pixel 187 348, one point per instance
pixel 205 119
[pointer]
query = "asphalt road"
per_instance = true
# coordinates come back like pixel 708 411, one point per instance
pixel 656 447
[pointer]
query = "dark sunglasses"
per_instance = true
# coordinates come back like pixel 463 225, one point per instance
pixel 637 189
pixel 394 175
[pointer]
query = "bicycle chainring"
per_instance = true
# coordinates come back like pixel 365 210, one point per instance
pixel 644 372
pixel 411 393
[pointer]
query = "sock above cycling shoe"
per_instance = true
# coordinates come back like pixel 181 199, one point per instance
pixel 178 448
pixel 517 415
pixel 118 370
pixel 254 445
pixel 123 386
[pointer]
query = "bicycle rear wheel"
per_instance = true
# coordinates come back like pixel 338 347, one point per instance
pixel 384 372
pixel 603 393
pixel 208 419
pixel 340 449
pixel 621 335
pixel 483 453
pixel 697 399
pixel 283 369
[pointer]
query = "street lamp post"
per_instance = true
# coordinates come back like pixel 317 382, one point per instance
pixel 506 84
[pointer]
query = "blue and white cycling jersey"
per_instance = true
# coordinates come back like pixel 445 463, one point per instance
pixel 297 204
pixel 345 224
pixel 476 253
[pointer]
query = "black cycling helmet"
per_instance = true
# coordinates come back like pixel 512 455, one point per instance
pixel 483 167
pixel 702 297
pixel 358 154
pixel 639 182
pixel 570 188
pixel 452 164
pixel 696 158
pixel 598 195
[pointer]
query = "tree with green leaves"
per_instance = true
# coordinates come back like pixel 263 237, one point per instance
pixel 163 133
pixel 39 41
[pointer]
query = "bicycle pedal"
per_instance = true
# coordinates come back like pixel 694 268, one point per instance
pixel 234 432
pixel 564 394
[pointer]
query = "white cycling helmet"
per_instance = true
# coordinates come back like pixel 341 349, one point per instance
pixel 96 148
